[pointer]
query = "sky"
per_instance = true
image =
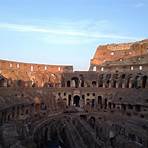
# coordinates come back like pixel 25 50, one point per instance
pixel 67 32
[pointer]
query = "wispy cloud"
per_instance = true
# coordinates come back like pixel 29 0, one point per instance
pixel 90 33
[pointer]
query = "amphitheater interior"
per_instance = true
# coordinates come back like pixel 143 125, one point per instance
pixel 52 106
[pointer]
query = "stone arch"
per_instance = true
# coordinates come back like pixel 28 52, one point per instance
pixel 123 80
pixel 107 80
pixel 69 100
pixel 136 81
pixel 92 121
pixel 138 108
pixel 68 84
pixel 100 80
pixel 107 83
pixel 2 81
pixel 109 105
pixel 130 106
pixel 75 81
pixel 37 103
pixel 123 107
pixel 18 110
pixel 105 103
pixel 94 83
pixel 93 103
pixel 43 106
pixel 100 101
pixel 144 81
pixel 82 83
pixel 129 82
pixel 76 100
pixel 114 83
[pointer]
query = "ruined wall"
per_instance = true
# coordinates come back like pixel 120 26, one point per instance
pixel 28 67
pixel 38 74
pixel 114 52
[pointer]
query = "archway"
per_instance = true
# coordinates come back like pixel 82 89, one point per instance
pixel 100 101
pixel 69 100
pixel 68 84
pixel 76 100
pixel 144 81
pixel 75 81
pixel 94 83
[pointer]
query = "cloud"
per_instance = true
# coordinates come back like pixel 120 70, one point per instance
pixel 70 32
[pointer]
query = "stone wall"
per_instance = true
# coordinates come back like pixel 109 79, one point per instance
pixel 30 67
pixel 28 74
pixel 114 52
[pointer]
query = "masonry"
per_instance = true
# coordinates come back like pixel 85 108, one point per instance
pixel 104 107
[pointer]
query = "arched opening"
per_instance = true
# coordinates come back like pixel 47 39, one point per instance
pixel 18 111
pixel 100 81
pixel 43 106
pixel 2 81
pixel 130 106
pixel 114 83
pixel 123 107
pixel 107 83
pixel 68 83
pixel 138 108
pixel 144 80
pixel 123 76
pixel 83 97
pixel 94 83
pixel 129 81
pixel 92 121
pixel 93 103
pixel 69 100
pixel 109 105
pixel 75 82
pixel 81 80
pixel 105 103
pixel 136 81
pixel 37 107
pixel 76 100
pixel 100 101
pixel 33 85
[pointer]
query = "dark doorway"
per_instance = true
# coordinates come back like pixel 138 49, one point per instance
pixel 138 108
pixel 144 79
pixel 76 80
pixel 68 83
pixel 76 100
pixel 105 103
pixel 69 100
pixel 94 83
pixel 114 84
pixel 93 103
pixel 123 107
pixel 100 101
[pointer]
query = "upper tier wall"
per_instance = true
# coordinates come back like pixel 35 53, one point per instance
pixel 12 65
pixel 115 52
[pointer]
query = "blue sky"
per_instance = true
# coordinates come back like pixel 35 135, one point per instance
pixel 67 31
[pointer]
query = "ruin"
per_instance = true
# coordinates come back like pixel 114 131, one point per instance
pixel 44 106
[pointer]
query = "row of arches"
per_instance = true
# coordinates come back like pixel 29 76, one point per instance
pixel 37 80
pixel 15 112
pixel 21 110
pixel 111 81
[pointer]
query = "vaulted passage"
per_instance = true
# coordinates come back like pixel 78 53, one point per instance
pixel 76 100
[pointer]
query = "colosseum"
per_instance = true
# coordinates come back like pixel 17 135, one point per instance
pixel 52 106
